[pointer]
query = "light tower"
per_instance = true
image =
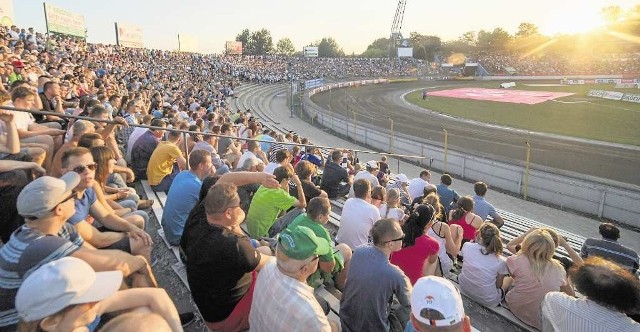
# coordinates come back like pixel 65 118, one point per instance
pixel 396 34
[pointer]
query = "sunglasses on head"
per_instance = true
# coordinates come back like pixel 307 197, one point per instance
pixel 80 169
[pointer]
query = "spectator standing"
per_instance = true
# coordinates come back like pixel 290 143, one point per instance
pixel 419 254
pixel 610 293
pixel 482 208
pixel 373 281
pixel 358 216
pixel 416 185
pixel 608 248
pixel 282 300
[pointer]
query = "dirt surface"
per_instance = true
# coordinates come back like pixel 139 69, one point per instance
pixel 375 104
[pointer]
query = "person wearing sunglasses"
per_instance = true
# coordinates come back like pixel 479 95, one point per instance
pixel 119 233
pixel 372 283
pixel 295 307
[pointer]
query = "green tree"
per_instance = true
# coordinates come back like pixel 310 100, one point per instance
pixel 379 48
pixel 261 41
pixel 526 29
pixel 244 37
pixel 329 48
pixel 285 46
pixel 470 38
pixel 419 52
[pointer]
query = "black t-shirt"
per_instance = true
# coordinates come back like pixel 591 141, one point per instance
pixel 219 265
pixel 331 177
pixel 310 190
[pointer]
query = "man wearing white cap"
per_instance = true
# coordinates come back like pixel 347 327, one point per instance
pixel 68 294
pixel 282 300
pixel 370 174
pixel 46 204
pixel 402 184
pixel 436 305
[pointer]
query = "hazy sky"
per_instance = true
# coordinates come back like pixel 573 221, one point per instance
pixel 353 23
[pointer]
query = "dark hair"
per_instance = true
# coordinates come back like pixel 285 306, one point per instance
pixel 318 206
pixel 381 230
pixel 86 140
pixel 48 85
pixel 305 169
pixel 361 188
pixel 465 204
pixel 336 155
pixel 446 179
pixel 197 157
pixel 101 156
pixel 480 188
pixel 21 92
pixel 609 231
pixel 413 228
pixel 282 173
pixel 73 152
pixel 158 123
pixel 97 110
pixel 425 173
pixel 219 197
pixel 607 284
pixel 282 154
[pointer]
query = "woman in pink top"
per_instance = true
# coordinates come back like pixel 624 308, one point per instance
pixel 419 252
pixel 535 273
pixel 463 217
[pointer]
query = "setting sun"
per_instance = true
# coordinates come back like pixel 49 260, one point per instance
pixel 572 20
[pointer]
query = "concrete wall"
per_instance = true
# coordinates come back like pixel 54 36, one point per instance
pixel 595 196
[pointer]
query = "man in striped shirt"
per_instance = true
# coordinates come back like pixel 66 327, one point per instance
pixel 609 248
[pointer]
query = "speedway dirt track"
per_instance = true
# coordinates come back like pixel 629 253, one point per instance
pixel 374 104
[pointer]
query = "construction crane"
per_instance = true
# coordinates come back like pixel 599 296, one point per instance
pixel 396 34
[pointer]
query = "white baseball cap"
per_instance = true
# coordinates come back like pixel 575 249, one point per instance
pixel 402 178
pixel 436 302
pixel 372 164
pixel 61 283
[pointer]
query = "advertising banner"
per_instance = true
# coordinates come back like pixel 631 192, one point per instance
pixel 234 47
pixel 405 52
pixel 630 97
pixel 310 84
pixel 596 93
pixel 63 21
pixel 613 95
pixel 310 52
pixel 129 35
pixel 6 12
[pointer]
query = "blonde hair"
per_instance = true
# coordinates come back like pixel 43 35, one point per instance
pixel 539 247
pixel 393 198
pixel 488 236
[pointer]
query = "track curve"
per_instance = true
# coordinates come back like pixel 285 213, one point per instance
pixel 374 104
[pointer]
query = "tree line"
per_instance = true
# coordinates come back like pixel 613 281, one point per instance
pixel 619 35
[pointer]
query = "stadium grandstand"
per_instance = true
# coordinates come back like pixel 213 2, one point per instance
pixel 145 169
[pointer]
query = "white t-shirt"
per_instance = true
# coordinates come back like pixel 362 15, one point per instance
pixel 394 212
pixel 358 216
pixel 416 187
pixel 270 167
pixel 479 272
pixel 246 156
pixel 373 180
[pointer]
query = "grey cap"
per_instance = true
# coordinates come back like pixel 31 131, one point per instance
pixel 44 193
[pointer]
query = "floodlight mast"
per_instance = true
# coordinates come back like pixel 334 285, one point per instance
pixel 396 34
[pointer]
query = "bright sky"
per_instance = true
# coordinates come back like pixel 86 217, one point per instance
pixel 353 23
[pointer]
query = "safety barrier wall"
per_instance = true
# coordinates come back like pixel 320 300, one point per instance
pixel 594 196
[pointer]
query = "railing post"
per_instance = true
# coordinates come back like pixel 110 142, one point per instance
pixel 390 135
pixel 526 171
pixel 602 199
pixel 446 143
pixel 186 149
pixel 354 127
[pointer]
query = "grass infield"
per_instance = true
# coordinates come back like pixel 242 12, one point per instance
pixel 577 115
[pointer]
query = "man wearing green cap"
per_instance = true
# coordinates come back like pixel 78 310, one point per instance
pixel 282 300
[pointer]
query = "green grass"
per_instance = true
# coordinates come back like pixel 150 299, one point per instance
pixel 598 119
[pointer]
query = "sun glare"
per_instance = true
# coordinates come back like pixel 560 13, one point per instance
pixel 572 21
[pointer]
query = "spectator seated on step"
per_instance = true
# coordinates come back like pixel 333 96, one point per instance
pixel 608 248
pixel 368 174
pixel 336 181
pixel 448 196
pixel 416 185
pixel 436 305
pixel 165 162
pixel 483 208
pixel 358 216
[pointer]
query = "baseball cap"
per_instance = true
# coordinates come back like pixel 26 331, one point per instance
pixel 299 242
pixel 436 302
pixel 43 194
pixel 372 164
pixel 61 283
pixel 402 178
pixel 18 64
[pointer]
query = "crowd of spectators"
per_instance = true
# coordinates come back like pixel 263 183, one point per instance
pixel 67 206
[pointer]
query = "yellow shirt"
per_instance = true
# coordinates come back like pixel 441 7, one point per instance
pixel 161 162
